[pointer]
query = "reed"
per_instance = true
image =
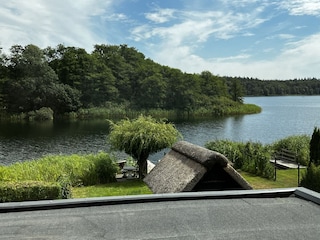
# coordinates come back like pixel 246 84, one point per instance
pixel 78 169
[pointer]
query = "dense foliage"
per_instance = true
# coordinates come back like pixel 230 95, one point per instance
pixel 312 177
pixel 256 87
pixel 298 144
pixel 66 79
pixel 255 157
pixel 141 137
pixel 250 157
pixel 315 147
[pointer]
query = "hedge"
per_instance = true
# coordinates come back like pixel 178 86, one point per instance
pixel 30 191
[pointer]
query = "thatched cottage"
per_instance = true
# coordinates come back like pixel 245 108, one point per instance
pixel 188 167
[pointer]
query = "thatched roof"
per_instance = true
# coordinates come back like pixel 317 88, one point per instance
pixel 186 165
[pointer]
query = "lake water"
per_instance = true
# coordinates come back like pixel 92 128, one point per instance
pixel 281 117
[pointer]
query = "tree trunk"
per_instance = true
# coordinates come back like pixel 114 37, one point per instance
pixel 142 163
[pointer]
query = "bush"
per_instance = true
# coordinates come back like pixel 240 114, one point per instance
pixel 29 191
pixel 103 170
pixel 41 114
pixel 65 187
pixel 311 179
pixel 298 144
pixel 315 147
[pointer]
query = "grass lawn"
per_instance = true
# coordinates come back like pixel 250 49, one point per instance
pixel 130 187
pixel 285 179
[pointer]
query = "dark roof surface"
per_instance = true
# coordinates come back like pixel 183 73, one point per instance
pixel 246 214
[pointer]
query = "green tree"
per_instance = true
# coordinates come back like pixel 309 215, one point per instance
pixel 85 72
pixel 182 90
pixel 311 179
pixel 141 137
pixel 236 91
pixel 315 147
pixel 33 84
pixel 123 72
pixel 3 76
pixel 152 92
pixel 213 86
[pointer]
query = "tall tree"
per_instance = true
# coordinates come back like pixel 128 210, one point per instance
pixel 236 91
pixel 85 72
pixel 213 86
pixel 3 76
pixel 33 84
pixel 152 92
pixel 182 90
pixel 123 72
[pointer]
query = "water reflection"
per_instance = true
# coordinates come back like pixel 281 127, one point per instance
pixel 24 141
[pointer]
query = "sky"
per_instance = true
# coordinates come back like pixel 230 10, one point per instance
pixel 265 39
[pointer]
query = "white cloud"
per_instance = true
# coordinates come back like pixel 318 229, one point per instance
pixel 285 36
pixel 179 42
pixel 193 27
pixel 298 60
pixel 302 7
pixel 161 16
pixel 45 23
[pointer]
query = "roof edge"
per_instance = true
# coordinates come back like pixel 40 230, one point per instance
pixel 308 194
pixel 100 201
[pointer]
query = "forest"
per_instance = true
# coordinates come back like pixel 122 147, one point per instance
pixel 67 79
pixel 256 87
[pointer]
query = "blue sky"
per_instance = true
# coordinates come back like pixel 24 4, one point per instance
pixel 267 39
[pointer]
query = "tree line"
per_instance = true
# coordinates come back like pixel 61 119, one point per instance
pixel 256 87
pixel 68 78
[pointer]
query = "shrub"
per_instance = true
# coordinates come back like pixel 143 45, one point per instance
pixel 311 179
pixel 41 114
pixel 29 191
pixel 315 147
pixel 298 144
pixel 103 170
pixel 65 187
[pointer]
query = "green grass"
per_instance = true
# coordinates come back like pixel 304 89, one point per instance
pixel 130 187
pixel 285 179
pixel 87 169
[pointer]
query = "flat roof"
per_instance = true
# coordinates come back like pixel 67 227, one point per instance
pixel 246 214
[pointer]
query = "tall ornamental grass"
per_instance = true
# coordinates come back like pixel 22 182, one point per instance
pixel 250 157
pixel 78 169
pixel 255 157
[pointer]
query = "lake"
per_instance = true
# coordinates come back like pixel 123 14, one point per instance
pixel 280 117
